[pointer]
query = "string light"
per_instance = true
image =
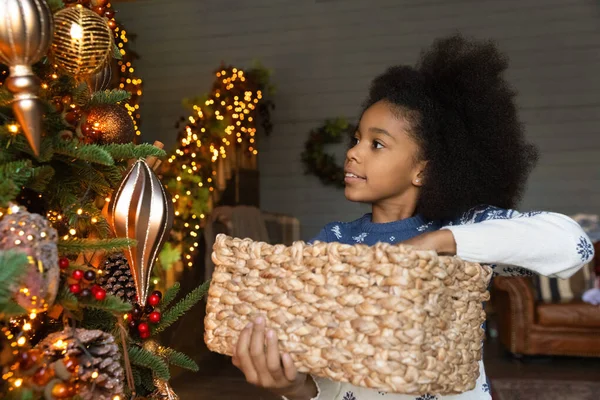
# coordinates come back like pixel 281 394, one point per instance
pixel 199 143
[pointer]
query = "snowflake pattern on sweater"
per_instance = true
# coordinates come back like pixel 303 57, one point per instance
pixel 585 249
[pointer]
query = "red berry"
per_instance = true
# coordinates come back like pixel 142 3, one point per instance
pixel 63 263
pixel 158 293
pixel 78 274
pixel 100 294
pixel 153 300
pixel 145 334
pixel 143 327
pixel 154 317
pixel 95 289
pixel 75 288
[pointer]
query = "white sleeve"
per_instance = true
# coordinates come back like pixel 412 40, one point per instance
pixel 548 244
pixel 326 389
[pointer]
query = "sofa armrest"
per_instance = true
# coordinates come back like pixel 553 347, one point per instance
pixel 514 302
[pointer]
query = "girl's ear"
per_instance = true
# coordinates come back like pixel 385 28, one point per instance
pixel 419 174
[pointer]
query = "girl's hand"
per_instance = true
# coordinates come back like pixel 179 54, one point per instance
pixel 257 356
pixel 441 241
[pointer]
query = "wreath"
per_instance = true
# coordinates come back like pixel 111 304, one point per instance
pixel 316 161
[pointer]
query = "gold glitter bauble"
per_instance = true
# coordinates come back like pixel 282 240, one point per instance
pixel 82 42
pixel 108 123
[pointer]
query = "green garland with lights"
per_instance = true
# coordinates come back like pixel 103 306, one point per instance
pixel 224 123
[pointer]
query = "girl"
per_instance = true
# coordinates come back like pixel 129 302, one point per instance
pixel 441 156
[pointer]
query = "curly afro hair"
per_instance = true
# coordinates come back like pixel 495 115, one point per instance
pixel 462 115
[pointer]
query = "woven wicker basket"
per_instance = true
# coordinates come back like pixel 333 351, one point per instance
pixel 385 317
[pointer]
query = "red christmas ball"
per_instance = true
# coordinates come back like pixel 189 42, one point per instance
pixel 63 263
pixel 153 300
pixel 75 288
pixel 154 317
pixel 100 294
pixel 77 274
pixel 157 293
pixel 143 327
pixel 145 335
pixel 109 13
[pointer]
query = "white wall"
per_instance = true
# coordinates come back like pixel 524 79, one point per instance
pixel 325 52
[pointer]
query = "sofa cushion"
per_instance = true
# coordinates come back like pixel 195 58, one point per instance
pixel 575 314
pixel 554 290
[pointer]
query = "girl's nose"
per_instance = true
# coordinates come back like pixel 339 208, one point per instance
pixel 353 154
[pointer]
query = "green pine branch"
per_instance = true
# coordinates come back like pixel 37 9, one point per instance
pixel 128 151
pixel 81 94
pixel 94 318
pixel 179 359
pixel 146 359
pixel 40 178
pixel 76 246
pixel 67 299
pixel 55 5
pixel 174 313
pixel 13 264
pixel 112 173
pixel 147 380
pixel 111 304
pixel 170 295
pixel 109 97
pixel 10 309
pixel 17 171
pixel 6 97
pixel 8 191
pixel 83 152
pixel 116 52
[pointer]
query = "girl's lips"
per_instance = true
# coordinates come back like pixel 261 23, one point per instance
pixel 351 177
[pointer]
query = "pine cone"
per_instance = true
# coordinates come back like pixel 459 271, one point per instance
pixel 100 374
pixel 116 278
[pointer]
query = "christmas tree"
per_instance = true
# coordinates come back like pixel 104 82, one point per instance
pixel 79 313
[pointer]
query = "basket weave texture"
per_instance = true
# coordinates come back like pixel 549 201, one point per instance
pixel 386 317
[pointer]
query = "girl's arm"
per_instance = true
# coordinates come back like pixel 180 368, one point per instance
pixel 548 244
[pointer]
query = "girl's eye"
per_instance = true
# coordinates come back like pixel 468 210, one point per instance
pixel 354 141
pixel 377 145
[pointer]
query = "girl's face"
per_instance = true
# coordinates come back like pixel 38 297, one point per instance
pixel 383 166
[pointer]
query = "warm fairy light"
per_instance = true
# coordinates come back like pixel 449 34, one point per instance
pixel 60 344
pixel 32 315
pixel 94 374
pixel 13 128
pixel 72 231
pixel 76 31
pixel 18 382
pixel 79 212
pixel 27 326
pixel 21 341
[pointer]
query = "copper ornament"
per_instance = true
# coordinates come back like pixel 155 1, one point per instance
pixel 141 209
pixel 25 35
pixel 109 123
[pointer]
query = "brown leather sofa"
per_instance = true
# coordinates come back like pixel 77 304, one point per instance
pixel 529 327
